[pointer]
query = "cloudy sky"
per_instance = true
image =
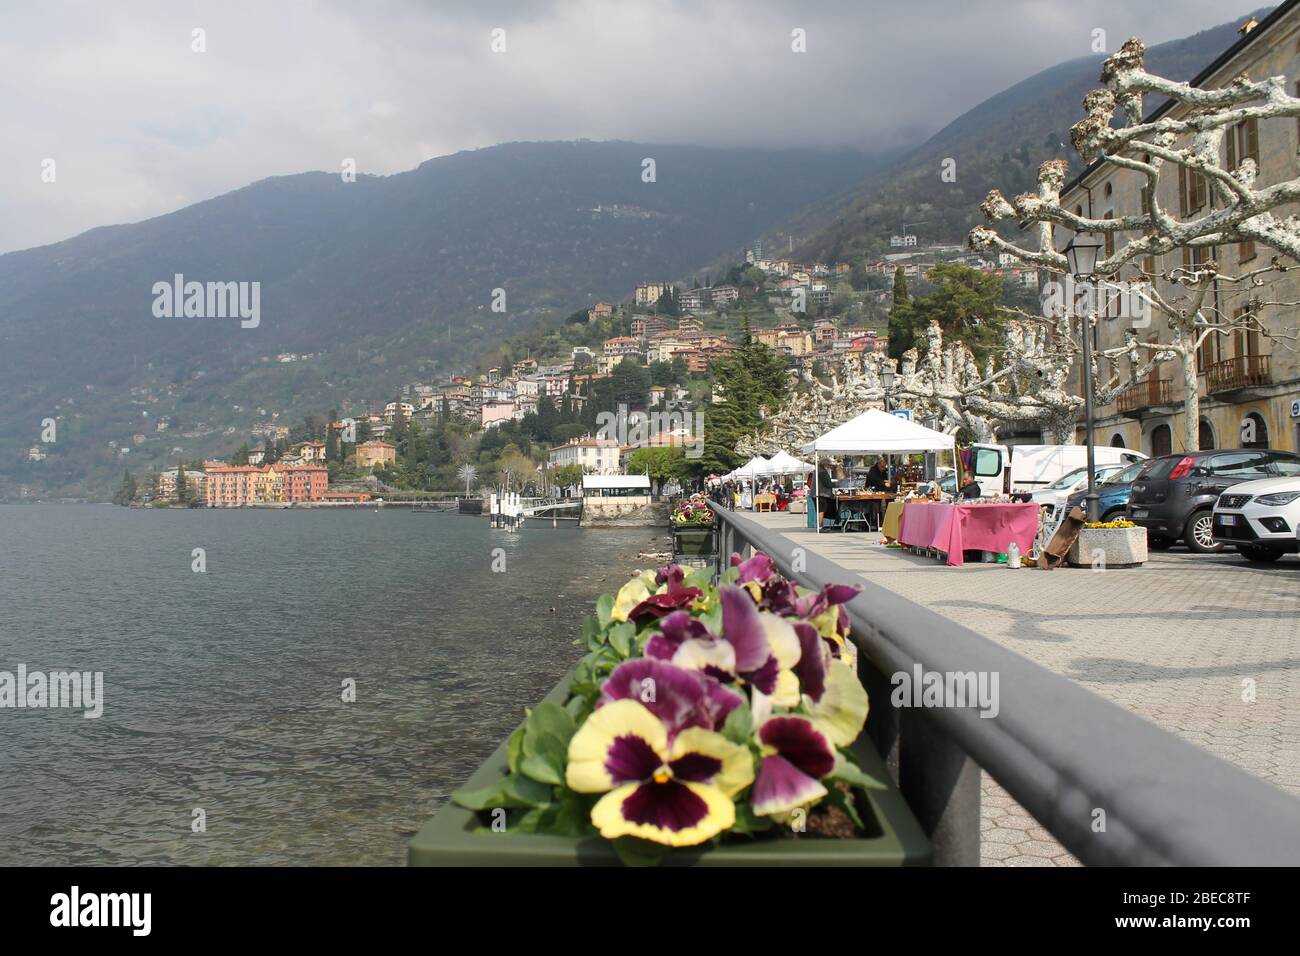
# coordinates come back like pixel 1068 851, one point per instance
pixel 139 124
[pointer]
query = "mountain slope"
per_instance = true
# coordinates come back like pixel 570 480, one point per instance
pixel 998 144
pixel 383 279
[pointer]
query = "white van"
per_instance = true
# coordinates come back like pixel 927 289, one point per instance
pixel 1024 469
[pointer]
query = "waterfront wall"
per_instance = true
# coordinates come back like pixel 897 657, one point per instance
pixel 622 513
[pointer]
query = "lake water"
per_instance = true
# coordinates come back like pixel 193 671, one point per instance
pixel 222 689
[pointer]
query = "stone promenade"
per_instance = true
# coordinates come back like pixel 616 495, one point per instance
pixel 1177 641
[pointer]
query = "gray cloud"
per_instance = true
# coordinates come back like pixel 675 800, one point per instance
pixel 139 125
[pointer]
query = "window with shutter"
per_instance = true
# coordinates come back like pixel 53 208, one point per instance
pixel 1193 191
pixel 1245 251
pixel 1243 143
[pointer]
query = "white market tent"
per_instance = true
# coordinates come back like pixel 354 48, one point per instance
pixel 879 433
pixel 875 433
pixel 756 467
pixel 786 464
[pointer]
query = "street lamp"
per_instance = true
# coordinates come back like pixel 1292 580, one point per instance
pixel 886 380
pixel 1081 253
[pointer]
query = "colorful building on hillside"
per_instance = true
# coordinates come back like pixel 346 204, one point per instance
pixel 371 453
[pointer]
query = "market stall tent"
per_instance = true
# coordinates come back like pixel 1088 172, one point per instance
pixel 878 433
pixel 875 433
pixel 756 467
pixel 785 464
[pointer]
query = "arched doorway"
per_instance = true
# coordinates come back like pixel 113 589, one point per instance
pixel 1162 441
pixel 1117 440
pixel 1254 431
pixel 1206 438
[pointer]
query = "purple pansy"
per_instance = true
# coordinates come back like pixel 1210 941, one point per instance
pixel 796 756
pixel 680 698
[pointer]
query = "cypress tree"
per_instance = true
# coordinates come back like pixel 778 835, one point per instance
pixel 901 332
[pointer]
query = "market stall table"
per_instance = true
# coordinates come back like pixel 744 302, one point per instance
pixel 873 500
pixel 955 528
pixel 893 515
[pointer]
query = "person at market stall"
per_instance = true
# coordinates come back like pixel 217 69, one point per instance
pixel 877 479
pixel 878 476
pixel 826 506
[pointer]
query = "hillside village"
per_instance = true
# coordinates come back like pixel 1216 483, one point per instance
pixel 530 415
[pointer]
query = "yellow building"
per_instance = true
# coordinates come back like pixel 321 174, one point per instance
pixel 268 484
pixel 371 453
pixel 1249 386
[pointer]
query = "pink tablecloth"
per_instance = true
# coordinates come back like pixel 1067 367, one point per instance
pixel 957 528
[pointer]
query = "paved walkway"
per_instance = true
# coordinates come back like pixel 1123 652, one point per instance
pixel 1179 641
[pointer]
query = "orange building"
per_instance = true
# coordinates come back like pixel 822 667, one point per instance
pixel 305 483
pixel 229 486
pixel 371 453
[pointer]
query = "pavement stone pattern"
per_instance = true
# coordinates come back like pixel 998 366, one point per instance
pixel 1180 641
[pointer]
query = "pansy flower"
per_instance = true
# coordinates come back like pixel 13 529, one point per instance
pixel 661 605
pixel 678 792
pixel 686 642
pixel 631 594
pixel 840 710
pixel 678 697
pixel 767 647
pixel 796 755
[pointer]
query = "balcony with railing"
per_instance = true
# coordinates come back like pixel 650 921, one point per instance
pixel 1241 372
pixel 1154 391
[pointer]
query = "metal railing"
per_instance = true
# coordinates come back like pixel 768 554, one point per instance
pixel 1154 391
pixel 1243 371
pixel 1113 788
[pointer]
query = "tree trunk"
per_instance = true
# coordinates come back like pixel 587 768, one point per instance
pixel 1191 405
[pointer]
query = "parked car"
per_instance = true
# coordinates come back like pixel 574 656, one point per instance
pixel 1112 493
pixel 1261 519
pixel 1173 497
pixel 1059 491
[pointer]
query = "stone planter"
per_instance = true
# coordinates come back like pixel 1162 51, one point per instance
pixel 1117 547
pixel 695 540
pixel 459 837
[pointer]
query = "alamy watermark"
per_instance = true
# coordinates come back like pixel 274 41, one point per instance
pixel 208 300
pixel 75 690
pixel 923 688
pixel 654 429
pixel 1117 300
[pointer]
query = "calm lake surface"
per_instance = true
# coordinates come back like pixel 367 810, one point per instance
pixel 222 690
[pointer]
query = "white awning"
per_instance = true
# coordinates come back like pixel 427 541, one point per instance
pixel 783 463
pixel 877 432
pixel 756 467
pixel 615 481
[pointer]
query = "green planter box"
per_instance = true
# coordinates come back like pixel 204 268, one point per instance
pixel 696 541
pixel 456 837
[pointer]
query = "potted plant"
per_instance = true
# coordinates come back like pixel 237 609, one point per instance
pixel 1109 544
pixel 693 531
pixel 715 724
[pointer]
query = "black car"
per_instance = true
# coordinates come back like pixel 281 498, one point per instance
pixel 1173 497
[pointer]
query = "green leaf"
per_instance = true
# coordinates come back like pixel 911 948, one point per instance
pixel 748 822
pixel 515 749
pixel 740 724
pixel 546 743
pixel 507 793
pixel 712 618
pixel 849 773
pixel 484 799
pixel 621 637
pixel 636 852
pixel 845 802
pixel 524 791
pixel 605 609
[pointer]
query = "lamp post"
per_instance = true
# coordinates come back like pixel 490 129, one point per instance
pixel 1082 253
pixel 886 380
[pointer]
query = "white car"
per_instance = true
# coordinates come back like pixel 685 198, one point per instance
pixel 1261 519
pixel 1058 492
